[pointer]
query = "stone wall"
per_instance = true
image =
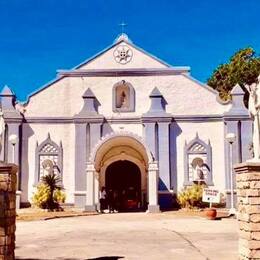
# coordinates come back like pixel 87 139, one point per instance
pixel 7 210
pixel 248 192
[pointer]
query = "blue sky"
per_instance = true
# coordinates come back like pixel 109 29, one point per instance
pixel 38 37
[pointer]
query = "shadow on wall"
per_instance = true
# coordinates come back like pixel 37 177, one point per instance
pixel 61 258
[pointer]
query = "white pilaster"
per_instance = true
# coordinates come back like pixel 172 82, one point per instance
pixel 164 155
pixel 153 206
pixel 96 191
pixel 90 199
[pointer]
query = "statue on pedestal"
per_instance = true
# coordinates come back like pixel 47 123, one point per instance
pixel 254 109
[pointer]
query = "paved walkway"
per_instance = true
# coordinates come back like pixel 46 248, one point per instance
pixel 128 236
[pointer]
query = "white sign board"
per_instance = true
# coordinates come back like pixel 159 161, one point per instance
pixel 211 196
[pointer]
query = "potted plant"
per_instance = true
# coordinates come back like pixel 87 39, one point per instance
pixel 211 213
pixel 211 196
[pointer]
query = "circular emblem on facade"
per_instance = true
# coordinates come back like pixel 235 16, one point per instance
pixel 123 54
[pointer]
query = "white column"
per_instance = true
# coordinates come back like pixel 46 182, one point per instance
pixel 153 206
pixel 96 191
pixel 90 199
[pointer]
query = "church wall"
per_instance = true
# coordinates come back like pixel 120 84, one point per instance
pixel 58 133
pixel 213 131
pixel 183 95
pixel 182 131
pixel 51 101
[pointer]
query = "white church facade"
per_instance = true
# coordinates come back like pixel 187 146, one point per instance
pixel 127 121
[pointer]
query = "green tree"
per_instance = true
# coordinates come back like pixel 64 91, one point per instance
pixel 243 68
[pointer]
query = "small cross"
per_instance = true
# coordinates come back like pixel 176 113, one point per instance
pixel 123 25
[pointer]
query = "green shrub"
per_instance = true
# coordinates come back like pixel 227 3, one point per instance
pixel 53 182
pixel 59 196
pixel 41 196
pixel 191 197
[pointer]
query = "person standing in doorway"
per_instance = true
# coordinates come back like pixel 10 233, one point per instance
pixel 103 197
pixel 110 200
pixel 115 201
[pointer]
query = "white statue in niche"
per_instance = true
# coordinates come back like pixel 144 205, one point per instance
pixel 48 167
pixel 2 130
pixel 123 100
pixel 197 166
pixel 254 109
pixel 200 170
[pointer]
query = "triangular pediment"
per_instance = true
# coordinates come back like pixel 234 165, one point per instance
pixel 123 54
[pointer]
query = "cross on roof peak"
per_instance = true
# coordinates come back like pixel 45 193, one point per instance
pixel 123 25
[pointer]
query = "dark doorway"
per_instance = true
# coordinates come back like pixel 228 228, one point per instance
pixel 123 184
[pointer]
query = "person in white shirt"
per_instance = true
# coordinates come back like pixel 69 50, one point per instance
pixel 102 200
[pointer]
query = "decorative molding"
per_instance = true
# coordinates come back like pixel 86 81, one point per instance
pixel 84 120
pixel 129 120
pixel 236 117
pixel 123 72
pixel 123 54
pixel 13 120
pixel 49 120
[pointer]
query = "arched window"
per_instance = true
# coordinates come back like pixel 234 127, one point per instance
pixel 197 162
pixel 123 97
pixel 48 159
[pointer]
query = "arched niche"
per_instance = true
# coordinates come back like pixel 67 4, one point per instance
pixel 123 97
pixel 197 162
pixel 48 152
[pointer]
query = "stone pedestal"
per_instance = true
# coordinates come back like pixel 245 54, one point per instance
pixel 8 181
pixel 248 197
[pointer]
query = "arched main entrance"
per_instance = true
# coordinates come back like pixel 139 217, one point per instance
pixel 123 184
pixel 111 153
